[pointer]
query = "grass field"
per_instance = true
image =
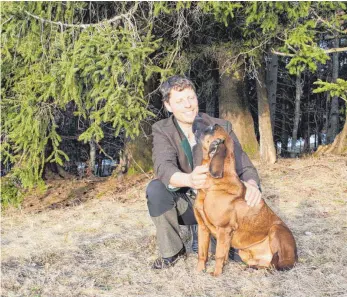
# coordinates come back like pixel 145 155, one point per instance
pixel 95 238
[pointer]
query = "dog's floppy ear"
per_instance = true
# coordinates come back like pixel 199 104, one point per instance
pixel 219 151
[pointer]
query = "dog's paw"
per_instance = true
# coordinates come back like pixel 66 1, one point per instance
pixel 201 267
pixel 217 272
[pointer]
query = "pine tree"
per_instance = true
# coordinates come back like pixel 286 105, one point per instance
pixel 52 55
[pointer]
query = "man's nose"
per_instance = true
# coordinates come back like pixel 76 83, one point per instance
pixel 187 102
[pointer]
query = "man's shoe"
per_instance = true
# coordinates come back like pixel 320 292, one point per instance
pixel 195 244
pixel 162 263
pixel 234 255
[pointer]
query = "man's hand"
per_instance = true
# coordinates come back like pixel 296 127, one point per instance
pixel 253 195
pixel 198 177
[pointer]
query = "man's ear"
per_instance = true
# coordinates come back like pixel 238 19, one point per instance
pixel 217 161
pixel 167 106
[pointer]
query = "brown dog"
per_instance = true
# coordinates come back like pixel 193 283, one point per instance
pixel 263 239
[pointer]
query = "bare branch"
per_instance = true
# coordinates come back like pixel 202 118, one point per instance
pixel 336 50
pixel 282 54
pixel 328 51
pixel 6 21
pixel 319 19
pixel 102 150
pixel 112 20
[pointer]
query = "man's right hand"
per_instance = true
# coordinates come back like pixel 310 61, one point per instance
pixel 198 177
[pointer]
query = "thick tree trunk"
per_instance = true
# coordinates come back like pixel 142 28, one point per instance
pixel 341 140
pixel 271 83
pixel 138 151
pixel 209 92
pixel 267 147
pixel 298 93
pixel 333 128
pixel 233 106
pixel 339 146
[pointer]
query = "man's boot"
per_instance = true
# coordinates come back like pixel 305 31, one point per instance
pixel 161 263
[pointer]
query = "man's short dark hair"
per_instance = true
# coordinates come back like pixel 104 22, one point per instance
pixel 176 82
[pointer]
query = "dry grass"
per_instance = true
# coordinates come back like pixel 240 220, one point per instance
pixel 104 246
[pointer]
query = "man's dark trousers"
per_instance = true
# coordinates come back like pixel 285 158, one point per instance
pixel 168 210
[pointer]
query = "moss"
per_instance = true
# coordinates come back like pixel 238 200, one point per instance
pixel 251 150
pixel 140 155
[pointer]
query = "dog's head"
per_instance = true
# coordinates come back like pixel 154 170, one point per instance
pixel 216 145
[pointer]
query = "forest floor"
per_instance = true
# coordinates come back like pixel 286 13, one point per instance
pixel 95 238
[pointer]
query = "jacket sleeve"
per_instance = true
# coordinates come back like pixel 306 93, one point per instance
pixel 164 156
pixel 244 167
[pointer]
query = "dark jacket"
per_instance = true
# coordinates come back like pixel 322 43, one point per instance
pixel 171 151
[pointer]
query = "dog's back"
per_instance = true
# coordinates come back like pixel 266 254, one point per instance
pixel 257 224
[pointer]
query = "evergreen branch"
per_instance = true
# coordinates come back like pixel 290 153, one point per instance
pixel 328 51
pixel 112 20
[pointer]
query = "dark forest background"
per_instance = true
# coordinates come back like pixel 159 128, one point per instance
pixel 79 81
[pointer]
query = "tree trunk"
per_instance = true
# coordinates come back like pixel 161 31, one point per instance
pixel 341 140
pixel 298 93
pixel 339 146
pixel 267 147
pixel 284 132
pixel 333 128
pixel 271 83
pixel 138 151
pixel 92 156
pixel 233 106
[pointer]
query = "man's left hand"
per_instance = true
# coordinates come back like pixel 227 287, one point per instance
pixel 253 194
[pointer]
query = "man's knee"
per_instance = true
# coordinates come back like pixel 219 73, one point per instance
pixel 155 187
pixel 159 199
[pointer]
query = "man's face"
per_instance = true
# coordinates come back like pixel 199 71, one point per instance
pixel 184 105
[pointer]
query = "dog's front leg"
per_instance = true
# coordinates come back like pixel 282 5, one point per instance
pixel 203 232
pixel 222 249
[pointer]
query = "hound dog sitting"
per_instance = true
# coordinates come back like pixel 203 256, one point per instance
pixel 262 238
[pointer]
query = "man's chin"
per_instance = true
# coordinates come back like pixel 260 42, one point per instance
pixel 189 121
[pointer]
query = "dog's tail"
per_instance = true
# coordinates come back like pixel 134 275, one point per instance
pixel 283 247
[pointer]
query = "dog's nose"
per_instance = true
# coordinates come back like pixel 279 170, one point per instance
pixel 211 129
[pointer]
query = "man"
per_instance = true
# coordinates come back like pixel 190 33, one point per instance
pixel 176 159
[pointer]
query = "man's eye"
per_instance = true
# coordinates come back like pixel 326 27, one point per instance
pixel 179 101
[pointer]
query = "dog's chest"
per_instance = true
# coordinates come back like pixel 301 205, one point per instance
pixel 217 209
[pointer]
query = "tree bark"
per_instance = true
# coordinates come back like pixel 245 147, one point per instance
pixel 271 83
pixel 92 156
pixel 233 106
pixel 267 147
pixel 138 151
pixel 333 128
pixel 298 93
pixel 339 146
pixel 284 132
